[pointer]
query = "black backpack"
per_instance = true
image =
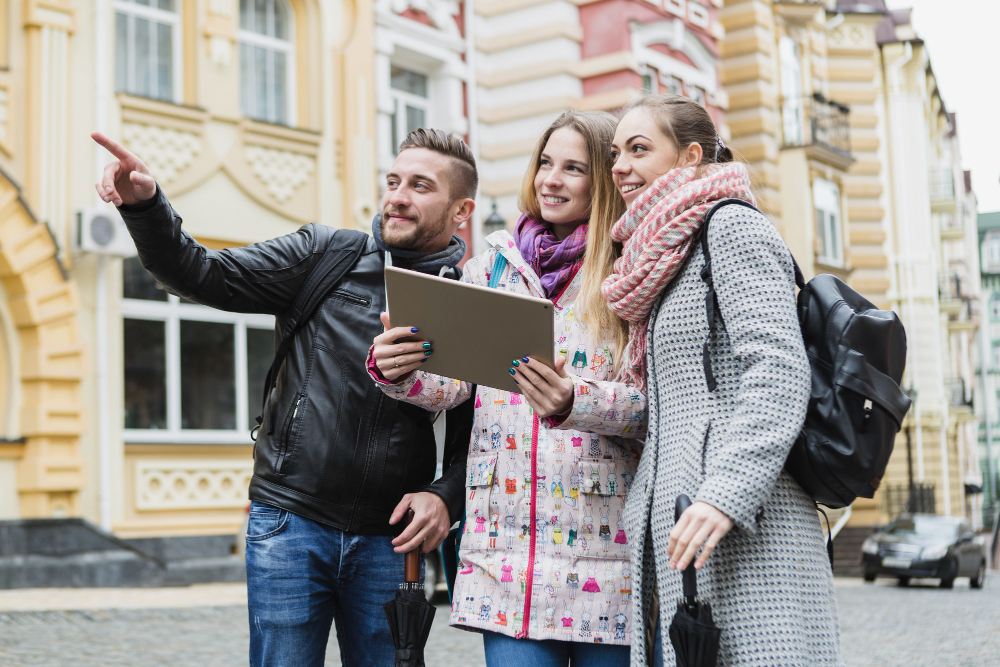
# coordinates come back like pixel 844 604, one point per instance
pixel 857 354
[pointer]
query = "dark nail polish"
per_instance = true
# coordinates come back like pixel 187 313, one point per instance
pixel 513 372
pixel 423 360
pixel 428 353
pixel 516 362
pixel 427 346
pixel 516 382
pixel 525 359
pixel 413 330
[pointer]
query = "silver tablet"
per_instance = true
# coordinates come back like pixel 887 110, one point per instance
pixel 476 331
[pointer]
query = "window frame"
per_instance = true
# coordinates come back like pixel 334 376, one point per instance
pixel 833 221
pixel 156 15
pixel 273 44
pixel 171 312
pixel 401 99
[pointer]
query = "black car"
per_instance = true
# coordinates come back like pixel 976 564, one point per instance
pixel 925 545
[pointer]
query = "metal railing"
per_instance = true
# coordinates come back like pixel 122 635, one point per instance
pixel 896 499
pixel 959 393
pixel 816 120
pixel 942 184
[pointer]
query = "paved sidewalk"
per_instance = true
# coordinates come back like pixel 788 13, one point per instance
pixel 882 625
pixel 203 626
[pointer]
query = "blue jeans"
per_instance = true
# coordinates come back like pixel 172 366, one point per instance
pixel 504 651
pixel 658 647
pixel 302 576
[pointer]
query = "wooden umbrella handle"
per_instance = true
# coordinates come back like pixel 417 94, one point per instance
pixel 411 563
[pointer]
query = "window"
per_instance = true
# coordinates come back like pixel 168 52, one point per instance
pixel 410 103
pixel 826 203
pixel 995 309
pixel 672 85
pixel 993 252
pixel 192 373
pixel 267 81
pixel 793 106
pixel 147 43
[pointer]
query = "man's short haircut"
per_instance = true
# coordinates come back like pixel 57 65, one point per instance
pixel 464 181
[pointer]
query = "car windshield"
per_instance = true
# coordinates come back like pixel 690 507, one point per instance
pixel 923 527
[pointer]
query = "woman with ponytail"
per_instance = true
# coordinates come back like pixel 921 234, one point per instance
pixel 548 467
pixel 719 432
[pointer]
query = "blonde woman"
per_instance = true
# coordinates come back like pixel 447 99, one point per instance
pixel 569 429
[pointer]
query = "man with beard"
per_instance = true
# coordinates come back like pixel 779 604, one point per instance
pixel 336 463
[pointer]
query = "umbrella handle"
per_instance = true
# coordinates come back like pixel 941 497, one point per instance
pixel 411 562
pixel 688 574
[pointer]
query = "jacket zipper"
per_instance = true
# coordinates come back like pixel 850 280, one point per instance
pixel 287 431
pixel 369 455
pixel 530 578
pixel 351 298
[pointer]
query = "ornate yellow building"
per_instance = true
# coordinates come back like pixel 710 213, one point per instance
pixel 122 404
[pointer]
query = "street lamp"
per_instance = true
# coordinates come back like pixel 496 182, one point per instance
pixel 494 222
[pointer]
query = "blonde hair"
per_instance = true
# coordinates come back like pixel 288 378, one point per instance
pixel 598 130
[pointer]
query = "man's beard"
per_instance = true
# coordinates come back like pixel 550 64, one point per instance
pixel 416 237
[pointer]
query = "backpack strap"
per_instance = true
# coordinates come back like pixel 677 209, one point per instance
pixel 711 299
pixel 341 254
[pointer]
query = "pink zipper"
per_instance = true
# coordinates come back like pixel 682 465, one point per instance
pixel 523 634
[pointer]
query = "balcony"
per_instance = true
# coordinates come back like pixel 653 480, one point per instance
pixel 958 393
pixel 821 127
pixel 898 498
pixel 952 226
pixel 951 299
pixel 941 188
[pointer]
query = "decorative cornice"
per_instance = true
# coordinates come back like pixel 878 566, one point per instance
pixel 59 14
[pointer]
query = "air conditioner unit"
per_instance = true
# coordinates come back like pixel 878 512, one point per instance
pixel 103 231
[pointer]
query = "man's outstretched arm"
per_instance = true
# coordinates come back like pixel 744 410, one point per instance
pixel 260 278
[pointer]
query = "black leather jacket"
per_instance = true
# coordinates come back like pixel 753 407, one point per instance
pixel 332 447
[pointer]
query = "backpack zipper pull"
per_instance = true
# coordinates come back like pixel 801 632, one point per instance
pixel 868 415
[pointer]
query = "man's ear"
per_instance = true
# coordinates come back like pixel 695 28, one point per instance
pixel 462 212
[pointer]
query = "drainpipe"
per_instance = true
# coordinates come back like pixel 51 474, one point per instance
pixel 892 77
pixel 987 368
pixel 472 106
pixel 101 282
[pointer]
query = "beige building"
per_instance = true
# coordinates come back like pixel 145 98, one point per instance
pixel 122 404
pixel 836 107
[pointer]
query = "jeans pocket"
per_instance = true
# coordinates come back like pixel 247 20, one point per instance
pixel 265 521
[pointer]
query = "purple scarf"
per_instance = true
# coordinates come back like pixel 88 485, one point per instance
pixel 554 261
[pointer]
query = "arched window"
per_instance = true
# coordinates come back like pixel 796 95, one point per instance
pixel 147 48
pixel 267 60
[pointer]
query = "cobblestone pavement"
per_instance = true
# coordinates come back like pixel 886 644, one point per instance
pixel 883 625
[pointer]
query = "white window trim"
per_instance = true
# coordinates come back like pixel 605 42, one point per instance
pixel 288 49
pixel 401 99
pixel 171 313
pixel 838 244
pixel 159 16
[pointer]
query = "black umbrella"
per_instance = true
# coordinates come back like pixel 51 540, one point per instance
pixel 692 632
pixel 409 613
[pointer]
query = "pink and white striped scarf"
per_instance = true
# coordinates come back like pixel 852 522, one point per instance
pixel 658 231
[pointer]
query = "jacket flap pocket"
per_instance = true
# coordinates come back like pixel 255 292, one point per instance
pixel 599 477
pixel 480 469
pixel 859 376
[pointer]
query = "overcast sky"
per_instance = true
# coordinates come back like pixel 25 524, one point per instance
pixel 961 36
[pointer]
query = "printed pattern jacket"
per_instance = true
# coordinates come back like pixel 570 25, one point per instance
pixel 544 551
pixel 769 579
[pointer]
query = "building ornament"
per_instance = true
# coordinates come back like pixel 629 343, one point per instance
pixel 440 12
pixel 281 171
pixel 166 151
pixel 192 484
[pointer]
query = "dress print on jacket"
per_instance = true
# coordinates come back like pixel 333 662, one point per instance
pixel 621 620
pixel 605 530
pixel 609 581
pixel 526 477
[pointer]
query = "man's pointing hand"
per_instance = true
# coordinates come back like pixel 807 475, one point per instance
pixel 126 180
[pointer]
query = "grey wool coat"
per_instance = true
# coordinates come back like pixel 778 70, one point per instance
pixel 769 580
